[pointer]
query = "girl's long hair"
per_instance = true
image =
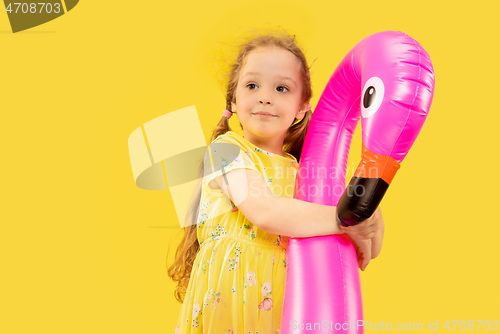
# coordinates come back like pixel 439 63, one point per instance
pixel 180 270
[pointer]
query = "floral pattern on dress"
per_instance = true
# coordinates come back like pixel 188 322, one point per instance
pixel 231 160
pixel 252 232
pixel 251 278
pixel 264 152
pixel 202 215
pixel 280 242
pixel 219 232
pixel 196 311
pixel 237 160
pixel 248 281
pixel 212 297
pixel 204 266
pixel 235 208
pixel 266 288
pixel 267 302
pixel 234 262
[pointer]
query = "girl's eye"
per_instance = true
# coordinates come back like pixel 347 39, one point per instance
pixel 284 87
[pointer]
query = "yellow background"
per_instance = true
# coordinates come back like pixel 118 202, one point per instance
pixel 83 249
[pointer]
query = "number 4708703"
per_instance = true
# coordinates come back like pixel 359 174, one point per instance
pixel 463 325
pixel 32 7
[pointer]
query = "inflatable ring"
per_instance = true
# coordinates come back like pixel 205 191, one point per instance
pixel 387 80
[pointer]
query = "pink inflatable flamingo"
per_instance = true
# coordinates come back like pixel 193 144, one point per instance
pixel 387 79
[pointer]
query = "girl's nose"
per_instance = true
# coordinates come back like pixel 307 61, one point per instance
pixel 265 100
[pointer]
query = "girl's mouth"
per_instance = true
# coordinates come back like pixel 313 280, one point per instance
pixel 264 115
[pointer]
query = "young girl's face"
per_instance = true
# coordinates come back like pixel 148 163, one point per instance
pixel 269 81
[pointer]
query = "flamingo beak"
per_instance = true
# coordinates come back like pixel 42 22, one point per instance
pixel 366 188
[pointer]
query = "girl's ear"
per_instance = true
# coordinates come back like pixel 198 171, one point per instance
pixel 233 106
pixel 302 111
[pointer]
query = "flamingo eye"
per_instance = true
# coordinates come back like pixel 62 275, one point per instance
pixel 373 94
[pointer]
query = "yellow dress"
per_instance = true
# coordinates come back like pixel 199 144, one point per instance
pixel 238 276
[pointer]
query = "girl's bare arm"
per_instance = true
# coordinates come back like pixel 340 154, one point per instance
pixel 274 214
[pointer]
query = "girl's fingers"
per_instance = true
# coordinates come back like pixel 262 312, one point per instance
pixel 364 235
pixel 361 227
pixel 365 264
pixel 368 235
pixel 366 261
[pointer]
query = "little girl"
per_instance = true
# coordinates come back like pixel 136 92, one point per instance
pixel 230 265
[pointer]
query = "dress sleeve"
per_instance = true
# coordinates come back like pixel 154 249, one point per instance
pixel 222 157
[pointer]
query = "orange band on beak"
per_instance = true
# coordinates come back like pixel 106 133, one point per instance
pixel 374 166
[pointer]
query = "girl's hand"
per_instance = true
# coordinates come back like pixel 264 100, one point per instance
pixel 367 229
pixel 363 250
